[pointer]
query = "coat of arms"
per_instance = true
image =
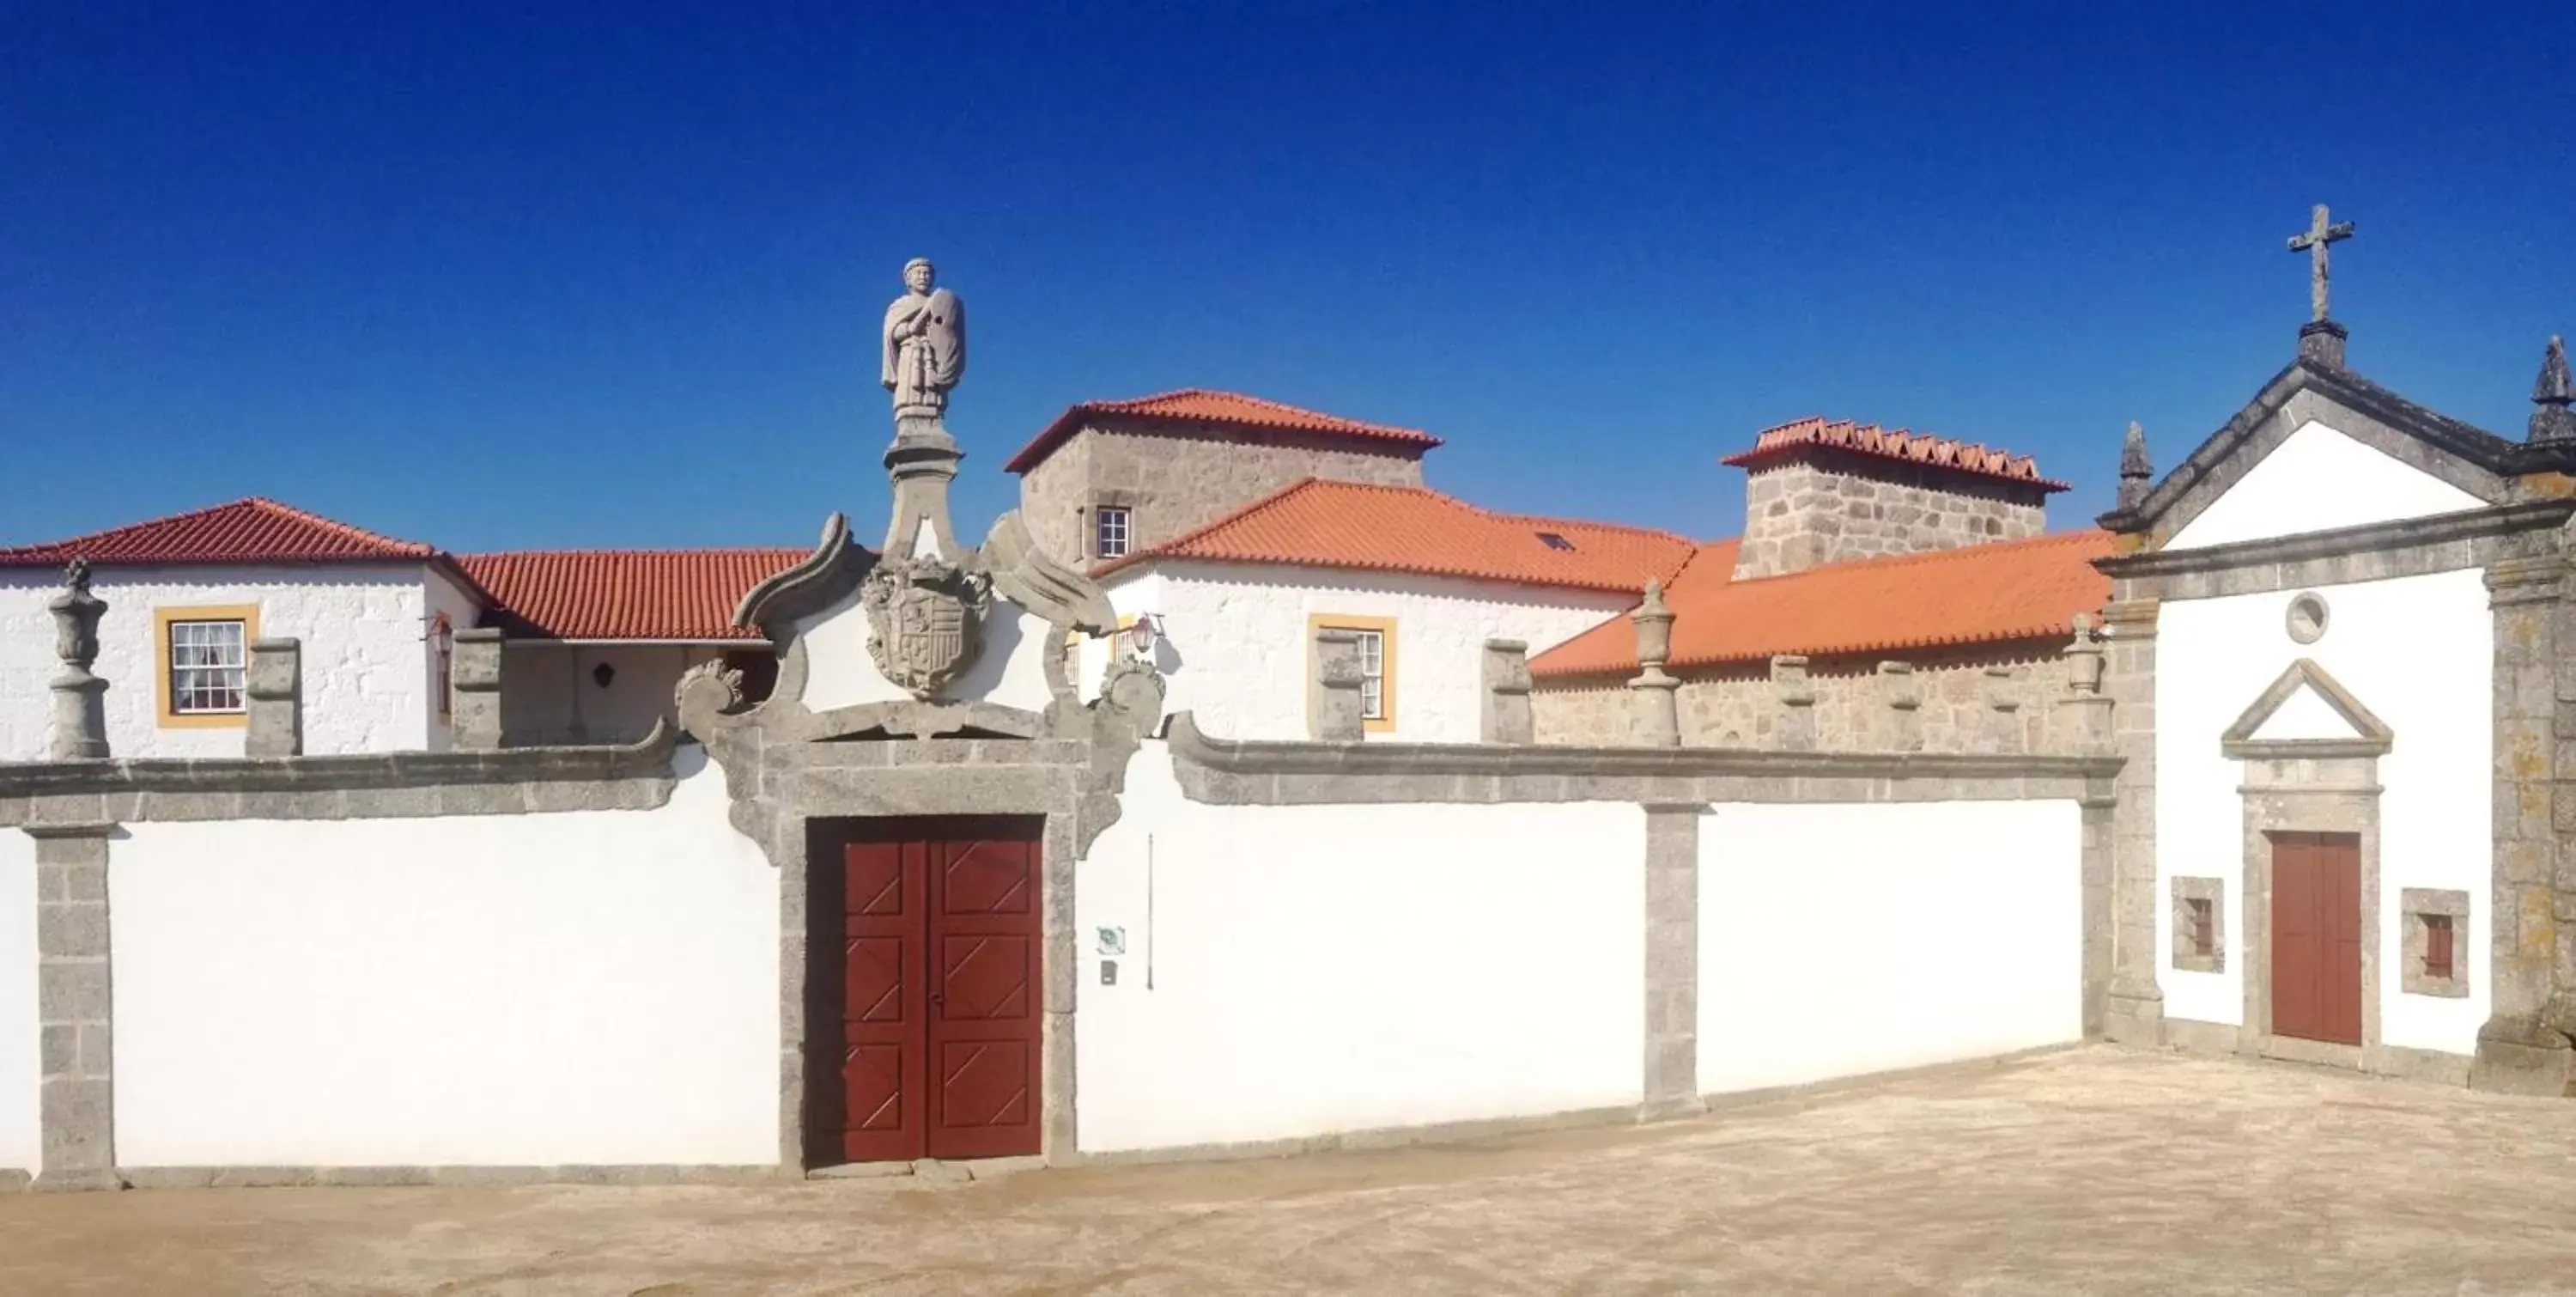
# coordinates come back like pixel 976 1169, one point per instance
pixel 922 615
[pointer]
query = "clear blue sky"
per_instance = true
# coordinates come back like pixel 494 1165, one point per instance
pixel 560 275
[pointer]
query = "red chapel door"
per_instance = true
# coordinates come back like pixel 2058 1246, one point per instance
pixel 927 1025
pixel 2316 936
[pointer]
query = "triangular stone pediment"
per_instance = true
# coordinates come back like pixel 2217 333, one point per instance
pixel 2306 713
pixel 2321 449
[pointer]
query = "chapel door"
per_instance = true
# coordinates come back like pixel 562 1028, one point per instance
pixel 2316 936
pixel 927 1025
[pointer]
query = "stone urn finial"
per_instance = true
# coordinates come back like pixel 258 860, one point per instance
pixel 80 713
pixel 1654 622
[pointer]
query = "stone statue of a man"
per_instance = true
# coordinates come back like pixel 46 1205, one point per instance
pixel 925 345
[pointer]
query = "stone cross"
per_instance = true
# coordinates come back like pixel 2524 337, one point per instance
pixel 80 711
pixel 2320 235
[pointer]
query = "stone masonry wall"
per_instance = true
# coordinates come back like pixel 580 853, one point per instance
pixel 1177 479
pixel 1825 508
pixel 1741 708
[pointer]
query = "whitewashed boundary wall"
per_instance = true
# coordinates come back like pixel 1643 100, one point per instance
pixel 1292 971
pixel 1845 940
pixel 580 988
pixel 20 1134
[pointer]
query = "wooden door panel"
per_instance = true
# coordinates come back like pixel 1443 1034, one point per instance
pixel 884 1031
pixel 986 1025
pixel 2316 937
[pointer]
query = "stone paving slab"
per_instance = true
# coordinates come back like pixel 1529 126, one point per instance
pixel 2096 1170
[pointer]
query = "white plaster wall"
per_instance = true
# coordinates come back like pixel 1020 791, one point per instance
pixel 1235 647
pixel 2418 652
pixel 1011 669
pixel 1842 940
pixel 462 610
pixel 2315 480
pixel 20 1146
pixel 1298 970
pixel 550 693
pixel 366 668
pixel 584 988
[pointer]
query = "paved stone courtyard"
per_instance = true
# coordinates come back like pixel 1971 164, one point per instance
pixel 2097 1170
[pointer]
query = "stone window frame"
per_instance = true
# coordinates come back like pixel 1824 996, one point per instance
pixel 2187 956
pixel 1103 518
pixel 1385 630
pixel 2290 619
pixel 2414 904
pixel 1088 517
pixel 166 713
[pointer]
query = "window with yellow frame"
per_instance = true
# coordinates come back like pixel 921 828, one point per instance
pixel 204 665
pixel 1377 664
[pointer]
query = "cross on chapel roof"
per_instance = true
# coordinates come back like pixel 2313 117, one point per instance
pixel 2320 339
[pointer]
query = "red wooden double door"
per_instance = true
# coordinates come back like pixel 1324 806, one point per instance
pixel 927 1016
pixel 2316 936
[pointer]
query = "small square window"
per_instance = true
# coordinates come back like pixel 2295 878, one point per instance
pixel 2204 929
pixel 2437 948
pixel 209 665
pixel 2200 925
pixel 1109 532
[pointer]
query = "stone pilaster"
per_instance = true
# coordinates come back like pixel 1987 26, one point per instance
pixel 1507 717
pixel 1658 695
pixel 2134 1008
pixel 1797 694
pixel 74 1011
pixel 1672 961
pixel 1335 711
pixel 80 705
pixel 2523 1046
pixel 475 673
pixel 274 687
pixel 1900 700
pixel 2003 712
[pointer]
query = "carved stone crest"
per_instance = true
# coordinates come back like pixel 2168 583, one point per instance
pixel 924 617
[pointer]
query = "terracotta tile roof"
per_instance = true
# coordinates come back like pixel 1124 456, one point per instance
pixel 1913 448
pixel 624 594
pixel 1322 523
pixel 245 531
pixel 1201 406
pixel 2005 590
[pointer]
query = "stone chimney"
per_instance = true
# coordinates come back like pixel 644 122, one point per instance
pixel 1819 492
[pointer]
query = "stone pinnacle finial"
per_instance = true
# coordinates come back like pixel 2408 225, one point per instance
pixel 2553 393
pixel 2136 473
pixel 80 718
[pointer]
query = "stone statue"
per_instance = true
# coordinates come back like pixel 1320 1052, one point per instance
pixel 925 344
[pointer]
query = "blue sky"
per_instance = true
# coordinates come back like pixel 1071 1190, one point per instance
pixel 515 276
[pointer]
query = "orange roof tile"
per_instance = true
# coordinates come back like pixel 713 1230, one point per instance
pixel 1199 405
pixel 2004 590
pixel 625 594
pixel 246 531
pixel 1322 523
pixel 1914 448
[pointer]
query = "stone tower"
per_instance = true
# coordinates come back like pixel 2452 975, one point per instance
pixel 1820 491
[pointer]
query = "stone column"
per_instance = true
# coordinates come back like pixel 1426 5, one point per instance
pixel 1672 961
pixel 2003 711
pixel 1797 694
pixel 274 685
pixel 76 1109
pixel 2134 1011
pixel 1901 723
pixel 475 675
pixel 80 706
pixel 1507 717
pixel 1659 717
pixel 2523 1046
pixel 1334 709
